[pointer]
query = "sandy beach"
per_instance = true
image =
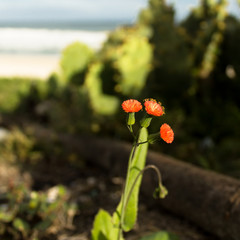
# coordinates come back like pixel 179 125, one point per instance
pixel 34 51
pixel 17 65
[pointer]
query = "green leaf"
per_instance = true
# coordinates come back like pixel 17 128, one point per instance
pixel 21 225
pixel 43 225
pixel 137 164
pixel 6 216
pixel 161 235
pixel 34 202
pixel 103 228
pixel 61 190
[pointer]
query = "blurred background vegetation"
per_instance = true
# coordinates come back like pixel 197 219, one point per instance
pixel 191 66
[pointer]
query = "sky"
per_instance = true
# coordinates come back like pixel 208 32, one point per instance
pixel 31 10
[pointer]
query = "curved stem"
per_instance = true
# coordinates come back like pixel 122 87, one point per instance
pixel 136 179
pixel 125 202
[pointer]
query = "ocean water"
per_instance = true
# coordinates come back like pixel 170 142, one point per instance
pixel 52 37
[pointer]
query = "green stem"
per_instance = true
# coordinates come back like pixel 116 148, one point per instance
pixel 131 131
pixel 124 191
pixel 142 143
pixel 136 179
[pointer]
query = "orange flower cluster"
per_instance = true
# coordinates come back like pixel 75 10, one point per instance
pixel 166 133
pixel 131 105
pixel 154 108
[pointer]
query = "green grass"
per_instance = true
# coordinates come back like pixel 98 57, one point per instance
pixel 12 89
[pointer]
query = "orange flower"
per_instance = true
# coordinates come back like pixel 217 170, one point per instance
pixel 166 133
pixel 131 105
pixel 154 108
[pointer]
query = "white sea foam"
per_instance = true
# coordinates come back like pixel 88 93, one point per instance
pixel 30 40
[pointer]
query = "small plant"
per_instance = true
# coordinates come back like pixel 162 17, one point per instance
pixel 107 227
pixel 17 147
pixel 30 215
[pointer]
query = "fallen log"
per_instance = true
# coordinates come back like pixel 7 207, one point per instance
pixel 208 199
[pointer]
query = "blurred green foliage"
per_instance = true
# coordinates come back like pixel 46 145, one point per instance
pixel 26 214
pixel 191 66
pixel 75 59
pixel 18 148
pixel 101 103
pixel 133 61
pixel 13 89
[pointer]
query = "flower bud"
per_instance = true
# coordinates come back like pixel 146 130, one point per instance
pixel 160 192
pixel 152 138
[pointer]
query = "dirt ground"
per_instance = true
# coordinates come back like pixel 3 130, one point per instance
pixel 93 188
